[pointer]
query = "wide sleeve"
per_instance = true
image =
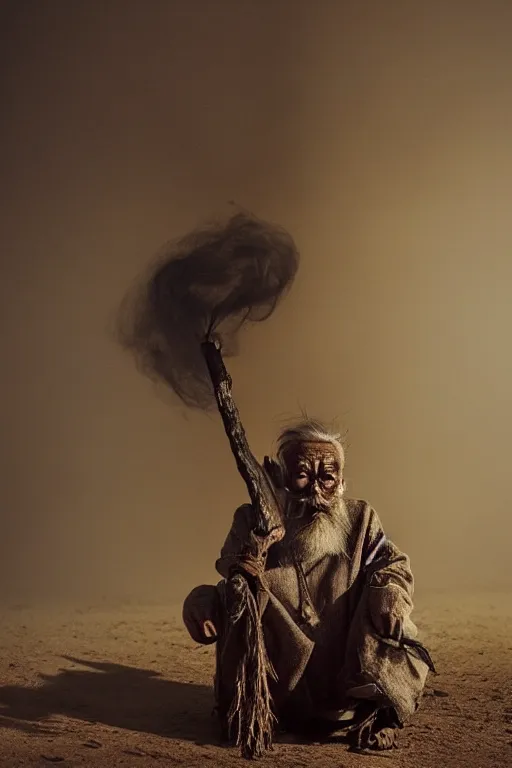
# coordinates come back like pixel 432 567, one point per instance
pixel 389 579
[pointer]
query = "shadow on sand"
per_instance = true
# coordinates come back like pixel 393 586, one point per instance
pixel 115 695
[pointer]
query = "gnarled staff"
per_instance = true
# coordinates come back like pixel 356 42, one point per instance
pixel 177 324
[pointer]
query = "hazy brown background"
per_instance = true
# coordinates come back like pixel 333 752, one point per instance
pixel 379 133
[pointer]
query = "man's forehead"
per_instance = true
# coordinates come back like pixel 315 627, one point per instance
pixel 313 451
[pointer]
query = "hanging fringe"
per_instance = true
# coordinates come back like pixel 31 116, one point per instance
pixel 421 651
pixel 408 644
pixel 250 718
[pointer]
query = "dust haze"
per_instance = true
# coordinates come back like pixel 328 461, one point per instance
pixel 378 134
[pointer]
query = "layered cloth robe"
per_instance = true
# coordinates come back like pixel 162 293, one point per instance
pixel 341 621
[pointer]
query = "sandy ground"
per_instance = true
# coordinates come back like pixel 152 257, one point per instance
pixel 125 685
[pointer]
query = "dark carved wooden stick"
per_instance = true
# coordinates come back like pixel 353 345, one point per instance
pixel 269 526
pixel 251 708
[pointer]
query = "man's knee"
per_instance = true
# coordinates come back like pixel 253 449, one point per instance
pixel 201 614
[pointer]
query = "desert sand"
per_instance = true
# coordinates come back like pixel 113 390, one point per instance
pixel 106 685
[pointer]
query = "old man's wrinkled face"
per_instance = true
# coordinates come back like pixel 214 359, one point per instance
pixel 313 474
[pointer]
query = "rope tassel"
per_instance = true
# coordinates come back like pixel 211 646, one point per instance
pixel 251 719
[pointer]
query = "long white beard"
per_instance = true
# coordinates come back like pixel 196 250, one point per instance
pixel 312 535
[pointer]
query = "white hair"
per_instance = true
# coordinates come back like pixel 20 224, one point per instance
pixel 309 431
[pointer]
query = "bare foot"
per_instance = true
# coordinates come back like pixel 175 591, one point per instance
pixel 386 738
pixel 369 740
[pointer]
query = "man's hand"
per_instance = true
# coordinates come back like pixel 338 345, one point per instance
pixel 200 614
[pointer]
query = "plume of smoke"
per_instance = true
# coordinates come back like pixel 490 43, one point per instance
pixel 205 287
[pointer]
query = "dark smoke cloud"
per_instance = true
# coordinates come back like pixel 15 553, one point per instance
pixel 205 287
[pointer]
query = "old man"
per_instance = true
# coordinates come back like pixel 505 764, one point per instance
pixel 335 608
